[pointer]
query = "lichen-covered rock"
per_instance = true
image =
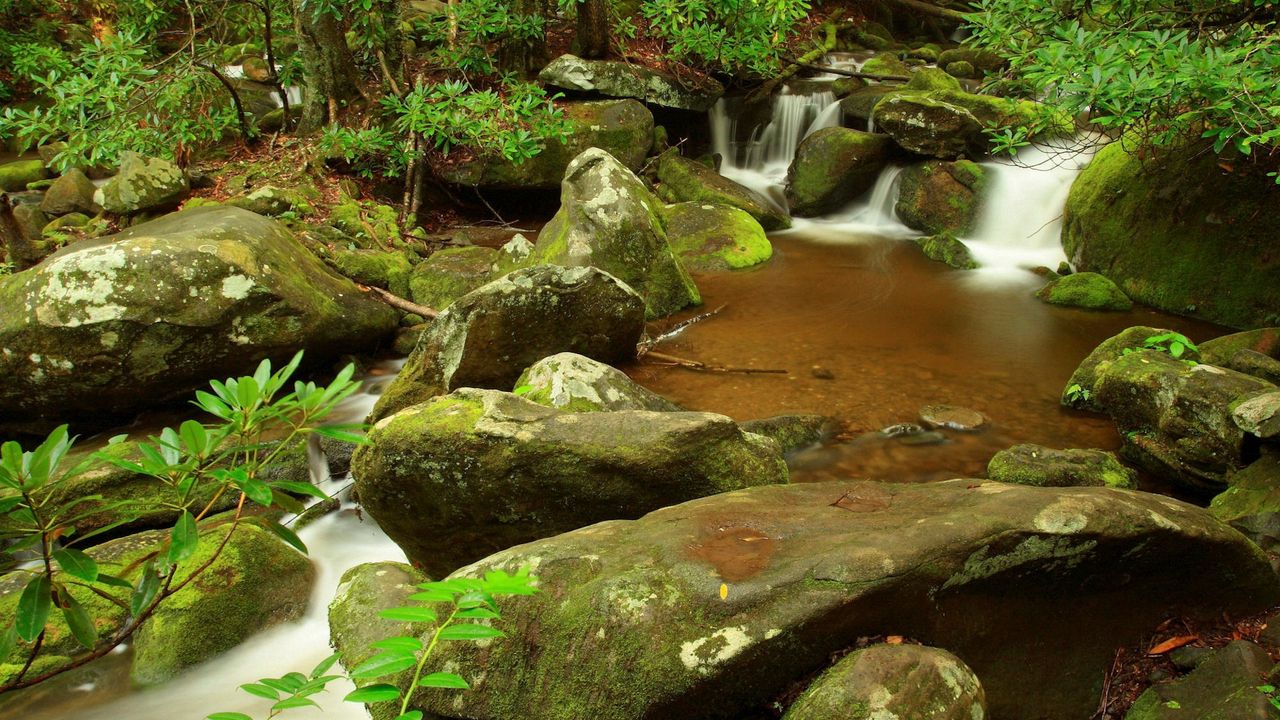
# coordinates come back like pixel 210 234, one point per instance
pixel 1259 415
pixel 572 382
pixel 478 471
pixel 946 248
pixel 1177 419
pixel 142 184
pixel 1079 390
pixel 371 225
pixel 489 336
pixel 711 237
pixel 608 219
pixel 367 589
pixel 1176 232
pixel 274 201
pixel 1252 503
pixel 257 581
pixel 1222 685
pixel 73 192
pixel 109 326
pixel 387 270
pixel 1045 467
pixel 685 180
pixel 711 608
pixel 622 128
pixel 832 167
pixel 16 175
pixel 925 125
pixel 612 78
pixel 941 197
pixel 1086 290
pixel 898 681
pixel 451 273
pixel 794 432
pixel 983 60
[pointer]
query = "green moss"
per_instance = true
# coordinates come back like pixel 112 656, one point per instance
pixel 927 79
pixel 451 273
pixel 716 237
pixel 388 270
pixel 886 64
pixel 684 180
pixel 1086 290
pixel 15 176
pixel 941 197
pixel 373 225
pixel 832 167
pixel 945 248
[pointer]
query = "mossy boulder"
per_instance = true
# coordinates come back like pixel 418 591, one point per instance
pixel 712 608
pixel 70 221
pixel 489 336
pixel 73 192
pixel 613 78
pixel 143 184
pixel 983 60
pixel 931 78
pixel 106 327
pixel 1251 504
pixel 478 471
pixel 712 238
pixel 622 128
pixel 685 180
pixel 369 224
pixel 900 681
pixel 30 247
pixel 451 273
pixel 1045 467
pixel 387 270
pixel 961 69
pixel 608 219
pixel 1086 290
pixel 945 248
pixel 257 581
pixel 1223 685
pixel 1177 232
pixel 941 197
pixel 17 174
pixel 275 201
pixel 857 107
pixel 794 432
pixel 923 124
pixel 1220 350
pixel 572 382
pixel 886 63
pixel 832 167
pixel 1080 388
pixel 1259 415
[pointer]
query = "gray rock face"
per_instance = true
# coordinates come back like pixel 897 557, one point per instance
pixel 142 184
pixel 894 681
pixel 608 219
pixel 625 80
pixel 478 471
pixel 1046 467
pixel 1252 504
pixel 1223 685
pixel 929 126
pixel 487 338
pixel 1259 415
pixel 108 326
pixel 567 381
pixel 710 608
pixel 73 192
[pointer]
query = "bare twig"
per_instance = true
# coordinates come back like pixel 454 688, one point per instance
pixel 400 303
pixel 703 367
pixel 675 330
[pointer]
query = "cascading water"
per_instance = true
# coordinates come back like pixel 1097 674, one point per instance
pixel 761 161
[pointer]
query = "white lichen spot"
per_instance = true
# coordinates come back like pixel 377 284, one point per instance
pixel 772 633
pixel 108 339
pixel 705 653
pixel 78 287
pixel 1162 521
pixel 236 287
pixel 1061 518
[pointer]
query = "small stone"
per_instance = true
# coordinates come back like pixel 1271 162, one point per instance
pixel 955 418
pixel 1259 415
pixel 822 373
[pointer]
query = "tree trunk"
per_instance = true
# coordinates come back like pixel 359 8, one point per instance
pixel 328 68
pixel 593 28
pixel 522 57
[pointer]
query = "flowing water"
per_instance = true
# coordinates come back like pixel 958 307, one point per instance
pixel 866 329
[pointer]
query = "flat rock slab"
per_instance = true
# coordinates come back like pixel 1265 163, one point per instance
pixel 709 609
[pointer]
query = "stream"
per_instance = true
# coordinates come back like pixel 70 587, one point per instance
pixel 867 329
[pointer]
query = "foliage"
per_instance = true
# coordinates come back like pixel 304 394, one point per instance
pixel 1156 69
pixel 192 462
pixel 471 604
pixel 1075 393
pixel 1172 343
pixel 1271 692
pixel 738 37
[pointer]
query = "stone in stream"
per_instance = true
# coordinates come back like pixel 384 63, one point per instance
pixel 572 382
pixel 685 180
pixel 713 238
pixel 17 174
pixel 794 432
pixel 478 471
pixel 1045 467
pixel 142 184
pixel 1079 392
pixel 711 608
pixel 106 327
pixel 387 270
pixel 857 108
pixel 487 338
pixel 1086 290
pixel 1177 419
pixel 613 78
pixel 929 126
pixel 450 273
pixel 73 192
pixel 832 167
pixel 941 197
pixel 608 219
pixel 256 582
pixel 1252 352
pixel 893 681
pixel 953 418
pixel 1259 415
pixel 1222 685
pixel 945 248
pixel 1251 503
pixel 622 128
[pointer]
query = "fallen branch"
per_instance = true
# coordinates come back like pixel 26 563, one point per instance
pixel 676 329
pixel 827 45
pixel 848 73
pixel 703 367
pixel 400 303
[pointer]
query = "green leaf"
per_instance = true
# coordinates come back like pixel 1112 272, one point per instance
pixel 381 692
pixel 432 596
pixel 323 666
pixel 81 625
pixel 114 581
pixel 444 680
pixel 33 608
pixel 257 491
pixel 144 592
pixel 476 614
pixel 76 563
pixel 340 435
pixel 293 702
pixel 286 535
pixel 411 715
pixel 409 614
pixel 184 538
pixel 398 644
pixel 467 631
pixel 228 716
pixel 261 691
pixel 384 663
pixel 8 641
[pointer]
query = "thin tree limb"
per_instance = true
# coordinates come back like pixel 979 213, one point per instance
pixel 400 303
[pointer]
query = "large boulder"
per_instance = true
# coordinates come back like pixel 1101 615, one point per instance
pixel 489 336
pixel 1176 418
pixel 712 237
pixel 608 219
pixel 451 273
pixel 73 192
pixel 142 184
pixel 1079 390
pixel 1224 685
pixel 832 167
pixel 1252 503
pixel 893 681
pixel 1046 467
pixel 617 79
pixel 1178 232
pixel 926 125
pixel 711 608
pixel 685 180
pixel 1086 290
pixel 567 381
pixel 1253 352
pixel 477 471
pixel 16 175
pixel 941 197
pixel 622 128
pixel 106 327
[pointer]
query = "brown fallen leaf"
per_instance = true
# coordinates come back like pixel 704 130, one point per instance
pixel 894 640
pixel 1172 643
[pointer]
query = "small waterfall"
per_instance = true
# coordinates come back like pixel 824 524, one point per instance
pixel 761 162
pixel 873 213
